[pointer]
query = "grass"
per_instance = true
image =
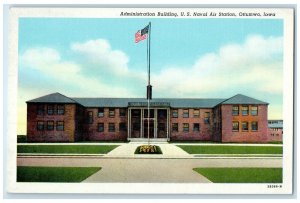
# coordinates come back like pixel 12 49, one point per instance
pixel 54 174
pixel 242 175
pixel 193 149
pixel 66 149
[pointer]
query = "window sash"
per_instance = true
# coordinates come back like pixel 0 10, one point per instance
pixel 175 127
pixel 50 109
pixel 122 127
pixel 111 127
pixel 185 113
pixel 60 109
pixel 100 127
pixel 254 110
pixel 100 112
pixel 40 109
pixel 60 126
pixel 90 117
pixel 245 126
pixel 235 126
pixel 254 126
pixel 175 113
pixel 122 112
pixel 111 112
pixel 185 127
pixel 50 125
pixel 196 127
pixel 245 110
pixel 40 125
pixel 196 113
pixel 235 110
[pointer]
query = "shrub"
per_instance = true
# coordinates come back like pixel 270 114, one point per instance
pixel 148 149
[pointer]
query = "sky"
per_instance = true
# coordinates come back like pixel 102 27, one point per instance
pixel 190 58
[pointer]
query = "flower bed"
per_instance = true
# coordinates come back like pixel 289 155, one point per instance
pixel 148 149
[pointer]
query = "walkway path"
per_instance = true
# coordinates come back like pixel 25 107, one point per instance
pixel 148 170
pixel 169 151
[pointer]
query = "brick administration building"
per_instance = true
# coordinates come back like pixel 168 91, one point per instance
pixel 58 118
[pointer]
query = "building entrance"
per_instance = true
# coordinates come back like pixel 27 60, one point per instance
pixel 158 123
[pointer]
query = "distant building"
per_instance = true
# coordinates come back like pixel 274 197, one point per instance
pixel 275 131
pixel 58 118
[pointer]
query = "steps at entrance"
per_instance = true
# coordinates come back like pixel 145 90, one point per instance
pixel 145 140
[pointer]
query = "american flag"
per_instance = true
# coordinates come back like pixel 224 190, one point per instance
pixel 139 37
pixel 141 34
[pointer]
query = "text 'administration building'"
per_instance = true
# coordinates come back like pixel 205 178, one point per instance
pixel 57 118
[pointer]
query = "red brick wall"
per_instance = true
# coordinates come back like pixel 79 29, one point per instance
pixel 33 135
pixel 250 136
pixel 205 132
pixel 275 134
pixel 91 130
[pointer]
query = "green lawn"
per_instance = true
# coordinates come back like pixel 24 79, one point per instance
pixel 216 149
pixel 66 149
pixel 54 174
pixel 242 175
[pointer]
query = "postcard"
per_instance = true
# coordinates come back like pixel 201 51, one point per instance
pixel 150 100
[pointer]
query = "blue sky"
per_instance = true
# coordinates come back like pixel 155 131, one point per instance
pixel 194 58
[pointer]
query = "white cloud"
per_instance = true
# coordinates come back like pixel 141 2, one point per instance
pixel 101 57
pixel 254 65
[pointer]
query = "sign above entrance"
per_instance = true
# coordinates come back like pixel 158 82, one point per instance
pixel 152 104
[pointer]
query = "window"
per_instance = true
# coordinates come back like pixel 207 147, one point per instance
pixel 206 117
pixel 40 109
pixel 245 126
pixel 185 127
pixel 235 126
pixel 245 110
pixel 111 112
pixel 162 113
pixel 50 109
pixel 90 117
pixel 196 127
pixel 161 127
pixel 122 127
pixel 40 125
pixel 175 127
pixel 111 127
pixel 235 110
pixel 122 112
pixel 185 113
pixel 136 113
pixel 196 113
pixel 136 126
pixel 100 127
pixel 175 113
pixel 100 112
pixel 254 110
pixel 254 126
pixel 60 126
pixel 50 125
pixel 60 109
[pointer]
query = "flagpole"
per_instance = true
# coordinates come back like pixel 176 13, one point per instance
pixel 148 88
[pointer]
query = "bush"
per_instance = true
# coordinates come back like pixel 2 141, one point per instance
pixel 148 149
pixel 21 138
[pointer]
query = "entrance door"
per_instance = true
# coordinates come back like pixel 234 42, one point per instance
pixel 151 128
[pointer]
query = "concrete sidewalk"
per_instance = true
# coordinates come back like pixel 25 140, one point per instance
pixel 168 150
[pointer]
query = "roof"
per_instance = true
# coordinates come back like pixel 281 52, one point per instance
pixel 275 123
pixel 242 99
pixel 172 102
pixel 53 98
pixel 125 102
